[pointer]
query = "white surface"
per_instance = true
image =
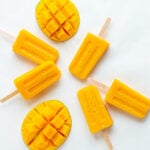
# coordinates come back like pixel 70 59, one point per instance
pixel 128 59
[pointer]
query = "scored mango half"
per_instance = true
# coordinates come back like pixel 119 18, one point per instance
pixel 58 19
pixel 46 126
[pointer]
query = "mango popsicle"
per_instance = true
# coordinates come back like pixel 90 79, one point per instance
pixel 32 48
pixel 96 114
pixel 89 53
pixel 125 98
pixel 36 80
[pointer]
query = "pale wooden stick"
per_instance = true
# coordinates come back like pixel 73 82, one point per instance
pixel 7 35
pixel 107 139
pixel 104 27
pixel 102 87
pixel 9 96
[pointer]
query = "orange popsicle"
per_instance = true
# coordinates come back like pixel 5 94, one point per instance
pixel 89 53
pixel 36 80
pixel 125 98
pixel 95 112
pixel 32 48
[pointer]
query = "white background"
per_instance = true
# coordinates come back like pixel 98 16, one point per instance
pixel 127 59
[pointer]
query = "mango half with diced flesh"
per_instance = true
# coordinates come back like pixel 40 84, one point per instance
pixel 46 126
pixel 58 19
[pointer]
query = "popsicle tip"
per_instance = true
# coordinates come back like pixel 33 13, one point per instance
pixel 4 33
pixel 102 87
pixel 104 27
pixel 89 79
pixel 107 139
pixel 108 19
pixel 4 99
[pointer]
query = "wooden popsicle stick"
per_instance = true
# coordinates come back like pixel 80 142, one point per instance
pixel 9 96
pixel 104 27
pixel 107 139
pixel 7 35
pixel 102 87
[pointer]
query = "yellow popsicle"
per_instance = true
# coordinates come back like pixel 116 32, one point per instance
pixel 46 126
pixel 95 112
pixel 89 53
pixel 58 19
pixel 34 49
pixel 38 79
pixel 127 99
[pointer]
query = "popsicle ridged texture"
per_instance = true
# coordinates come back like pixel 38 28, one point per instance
pixel 58 19
pixel 89 53
pixel 34 49
pixel 95 112
pixel 38 79
pixel 127 99
pixel 46 126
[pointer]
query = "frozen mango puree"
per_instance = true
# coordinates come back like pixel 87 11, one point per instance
pixel 95 112
pixel 89 53
pixel 33 48
pixel 35 81
pixel 125 98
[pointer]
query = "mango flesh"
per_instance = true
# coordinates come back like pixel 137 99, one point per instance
pixel 46 126
pixel 58 19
